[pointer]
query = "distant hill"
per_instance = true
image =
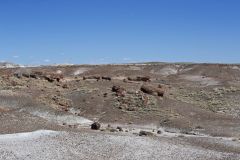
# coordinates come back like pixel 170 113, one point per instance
pixel 8 65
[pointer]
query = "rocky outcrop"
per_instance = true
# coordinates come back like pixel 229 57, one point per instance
pixel 50 77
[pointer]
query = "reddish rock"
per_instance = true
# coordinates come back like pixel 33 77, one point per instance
pixel 92 77
pixel 65 86
pixel 143 78
pixel 152 90
pixel 120 91
pixel 106 78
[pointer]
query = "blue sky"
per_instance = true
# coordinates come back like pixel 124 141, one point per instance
pixel 119 31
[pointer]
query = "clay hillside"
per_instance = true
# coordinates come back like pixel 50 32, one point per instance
pixel 145 99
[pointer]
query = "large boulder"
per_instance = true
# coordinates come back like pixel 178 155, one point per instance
pixel 96 126
pixel 152 90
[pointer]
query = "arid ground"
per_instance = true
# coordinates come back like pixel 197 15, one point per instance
pixel 146 111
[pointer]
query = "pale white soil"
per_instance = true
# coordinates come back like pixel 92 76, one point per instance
pixel 51 145
pixel 80 71
pixel 166 71
pixel 207 81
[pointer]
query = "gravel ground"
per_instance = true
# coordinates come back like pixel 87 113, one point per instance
pixel 45 144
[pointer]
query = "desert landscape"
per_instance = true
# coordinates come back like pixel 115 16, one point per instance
pixel 120 111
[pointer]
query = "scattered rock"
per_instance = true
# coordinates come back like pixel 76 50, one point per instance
pixel 49 79
pixel 120 91
pixel 66 109
pixel 165 121
pixel 199 127
pixel 234 139
pixel 105 94
pixel 106 78
pixel 27 73
pixel 188 132
pixel 119 128
pixel 73 126
pixel 65 86
pixel 13 83
pixel 113 130
pixel 95 126
pixel 33 76
pixel 92 77
pixel 130 108
pixel 181 136
pixel 145 133
pixel 144 79
pixel 159 132
pixel 63 102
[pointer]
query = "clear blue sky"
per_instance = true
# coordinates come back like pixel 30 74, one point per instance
pixel 116 31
